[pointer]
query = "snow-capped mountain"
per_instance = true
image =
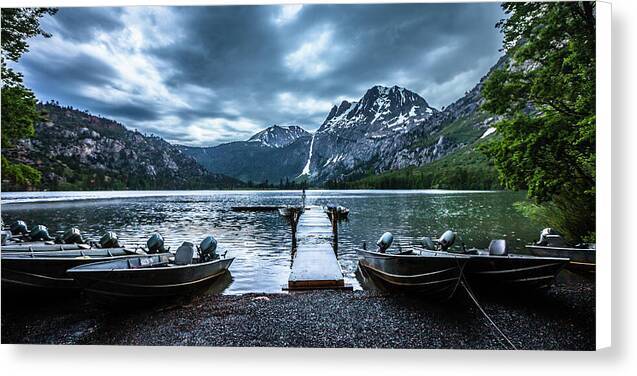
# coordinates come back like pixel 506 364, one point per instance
pixel 355 133
pixel 458 125
pixel 381 109
pixel 277 136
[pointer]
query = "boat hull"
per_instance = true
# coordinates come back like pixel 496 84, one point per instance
pixel 512 272
pixel 432 273
pixel 46 270
pixel 148 283
pixel 580 259
pixel 41 247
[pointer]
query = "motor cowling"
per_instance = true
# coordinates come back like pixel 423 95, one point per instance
pixel 498 247
pixel 109 240
pixel 385 242
pixel 545 234
pixel 208 248
pixel 155 244
pixel 6 236
pixel 19 228
pixel 40 232
pixel 72 236
pixel 447 239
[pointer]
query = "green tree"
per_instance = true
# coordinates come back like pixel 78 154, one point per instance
pixel 18 25
pixel 19 113
pixel 547 97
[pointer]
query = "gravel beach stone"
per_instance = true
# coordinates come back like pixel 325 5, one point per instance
pixel 561 319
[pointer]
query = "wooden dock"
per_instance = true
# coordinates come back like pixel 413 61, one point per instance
pixel 259 208
pixel 314 264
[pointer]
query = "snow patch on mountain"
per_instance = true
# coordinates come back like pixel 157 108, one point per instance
pixel 488 132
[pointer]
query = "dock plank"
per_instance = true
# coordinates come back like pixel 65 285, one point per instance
pixel 314 264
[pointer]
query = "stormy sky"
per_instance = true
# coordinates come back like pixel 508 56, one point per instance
pixel 205 75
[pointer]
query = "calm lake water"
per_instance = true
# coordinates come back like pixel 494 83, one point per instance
pixel 261 241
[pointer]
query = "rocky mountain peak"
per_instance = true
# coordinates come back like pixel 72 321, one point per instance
pixel 381 98
pixel 278 136
pixel 380 108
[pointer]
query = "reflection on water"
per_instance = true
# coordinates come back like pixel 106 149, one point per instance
pixel 261 241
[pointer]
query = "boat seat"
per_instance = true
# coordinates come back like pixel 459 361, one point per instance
pixel 185 254
pixel 498 247
pixel 476 252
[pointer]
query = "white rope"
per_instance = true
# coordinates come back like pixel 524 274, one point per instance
pixel 468 290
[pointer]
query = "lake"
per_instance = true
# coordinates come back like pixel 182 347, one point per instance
pixel 261 241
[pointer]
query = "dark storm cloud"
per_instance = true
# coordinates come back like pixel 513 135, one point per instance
pixel 80 24
pixel 204 75
pixel 73 70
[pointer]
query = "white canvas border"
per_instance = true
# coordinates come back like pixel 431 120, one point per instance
pixel 83 359
pixel 603 290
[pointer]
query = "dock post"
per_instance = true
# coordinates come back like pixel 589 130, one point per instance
pixel 294 220
pixel 334 230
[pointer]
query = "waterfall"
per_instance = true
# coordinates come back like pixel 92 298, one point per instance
pixel 306 169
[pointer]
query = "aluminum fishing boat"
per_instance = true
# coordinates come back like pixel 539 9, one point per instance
pixel 341 212
pixel 46 270
pixel 153 276
pixel 19 239
pixel 551 244
pixel 497 269
pixel 430 273
pixel 286 211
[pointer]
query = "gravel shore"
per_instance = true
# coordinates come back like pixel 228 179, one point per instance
pixel 562 319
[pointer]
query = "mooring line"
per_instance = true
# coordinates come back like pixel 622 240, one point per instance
pixel 475 301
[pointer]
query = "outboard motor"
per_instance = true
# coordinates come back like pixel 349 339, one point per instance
pixel 40 232
pixel 6 236
pixel 71 236
pixel 446 240
pixel 109 240
pixel 208 249
pixel 551 238
pixel 385 242
pixel 428 243
pixel 155 244
pixel 545 232
pixel 19 228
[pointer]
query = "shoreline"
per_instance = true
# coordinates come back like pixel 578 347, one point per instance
pixel 11 198
pixel 561 319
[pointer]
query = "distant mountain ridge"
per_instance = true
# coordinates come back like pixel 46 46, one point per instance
pixel 274 155
pixel 75 150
